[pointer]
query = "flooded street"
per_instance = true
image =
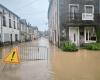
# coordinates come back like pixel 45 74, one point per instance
pixel 81 65
pixel 33 65
pixel 56 65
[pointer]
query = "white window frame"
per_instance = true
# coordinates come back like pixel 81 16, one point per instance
pixel 87 30
pixel 70 8
pixel 89 6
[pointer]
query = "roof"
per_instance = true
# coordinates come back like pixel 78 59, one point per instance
pixel 9 10
pixel 23 21
pixel 35 27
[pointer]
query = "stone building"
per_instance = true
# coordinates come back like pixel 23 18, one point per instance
pixel 74 20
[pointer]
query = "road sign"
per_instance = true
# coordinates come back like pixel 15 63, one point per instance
pixel 12 57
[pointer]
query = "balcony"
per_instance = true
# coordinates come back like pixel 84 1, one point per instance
pixel 81 19
pixel 87 16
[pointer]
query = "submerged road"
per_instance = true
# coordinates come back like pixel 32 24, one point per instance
pixel 34 63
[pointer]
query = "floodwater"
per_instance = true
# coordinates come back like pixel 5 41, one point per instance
pixel 81 65
pixel 28 69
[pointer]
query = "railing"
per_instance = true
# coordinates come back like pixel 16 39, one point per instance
pixel 87 16
pixel 81 16
pixel 30 53
pixel 80 19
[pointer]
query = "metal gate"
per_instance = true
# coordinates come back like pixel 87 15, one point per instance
pixel 30 53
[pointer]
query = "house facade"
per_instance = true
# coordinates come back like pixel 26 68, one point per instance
pixel 13 28
pixel 8 25
pixel 30 32
pixel 78 21
pixel 25 31
pixel 53 19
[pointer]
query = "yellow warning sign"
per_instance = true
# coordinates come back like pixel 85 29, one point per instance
pixel 12 57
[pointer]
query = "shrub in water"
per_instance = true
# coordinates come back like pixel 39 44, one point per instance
pixel 68 46
pixel 93 46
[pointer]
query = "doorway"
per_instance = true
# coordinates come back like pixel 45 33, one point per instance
pixel 81 36
pixel 11 39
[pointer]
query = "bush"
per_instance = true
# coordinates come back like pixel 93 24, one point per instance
pixel 93 46
pixel 68 46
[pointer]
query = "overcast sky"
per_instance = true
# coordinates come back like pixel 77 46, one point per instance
pixel 34 11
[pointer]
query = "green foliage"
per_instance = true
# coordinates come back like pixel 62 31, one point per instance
pixel 93 46
pixel 68 46
pixel 98 33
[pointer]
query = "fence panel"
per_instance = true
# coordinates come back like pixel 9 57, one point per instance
pixel 33 53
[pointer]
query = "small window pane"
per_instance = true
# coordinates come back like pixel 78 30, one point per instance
pixel 89 9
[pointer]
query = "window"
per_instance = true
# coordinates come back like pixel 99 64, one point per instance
pixel 88 12
pixel 9 15
pixel 55 35
pixel 18 26
pixel 73 9
pixel 9 23
pixel 14 25
pixel 74 37
pixel 16 37
pixel 90 35
pixel 11 39
pixel 86 35
pixel 82 33
pixel 89 9
pixel 3 11
pixel 4 21
pixel 14 17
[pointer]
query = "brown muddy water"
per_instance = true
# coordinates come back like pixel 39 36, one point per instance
pixel 81 65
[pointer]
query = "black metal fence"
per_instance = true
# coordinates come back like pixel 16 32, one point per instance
pixel 30 53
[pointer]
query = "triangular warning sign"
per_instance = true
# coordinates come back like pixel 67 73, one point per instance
pixel 12 57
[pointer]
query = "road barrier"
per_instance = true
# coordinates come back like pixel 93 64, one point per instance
pixel 30 53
